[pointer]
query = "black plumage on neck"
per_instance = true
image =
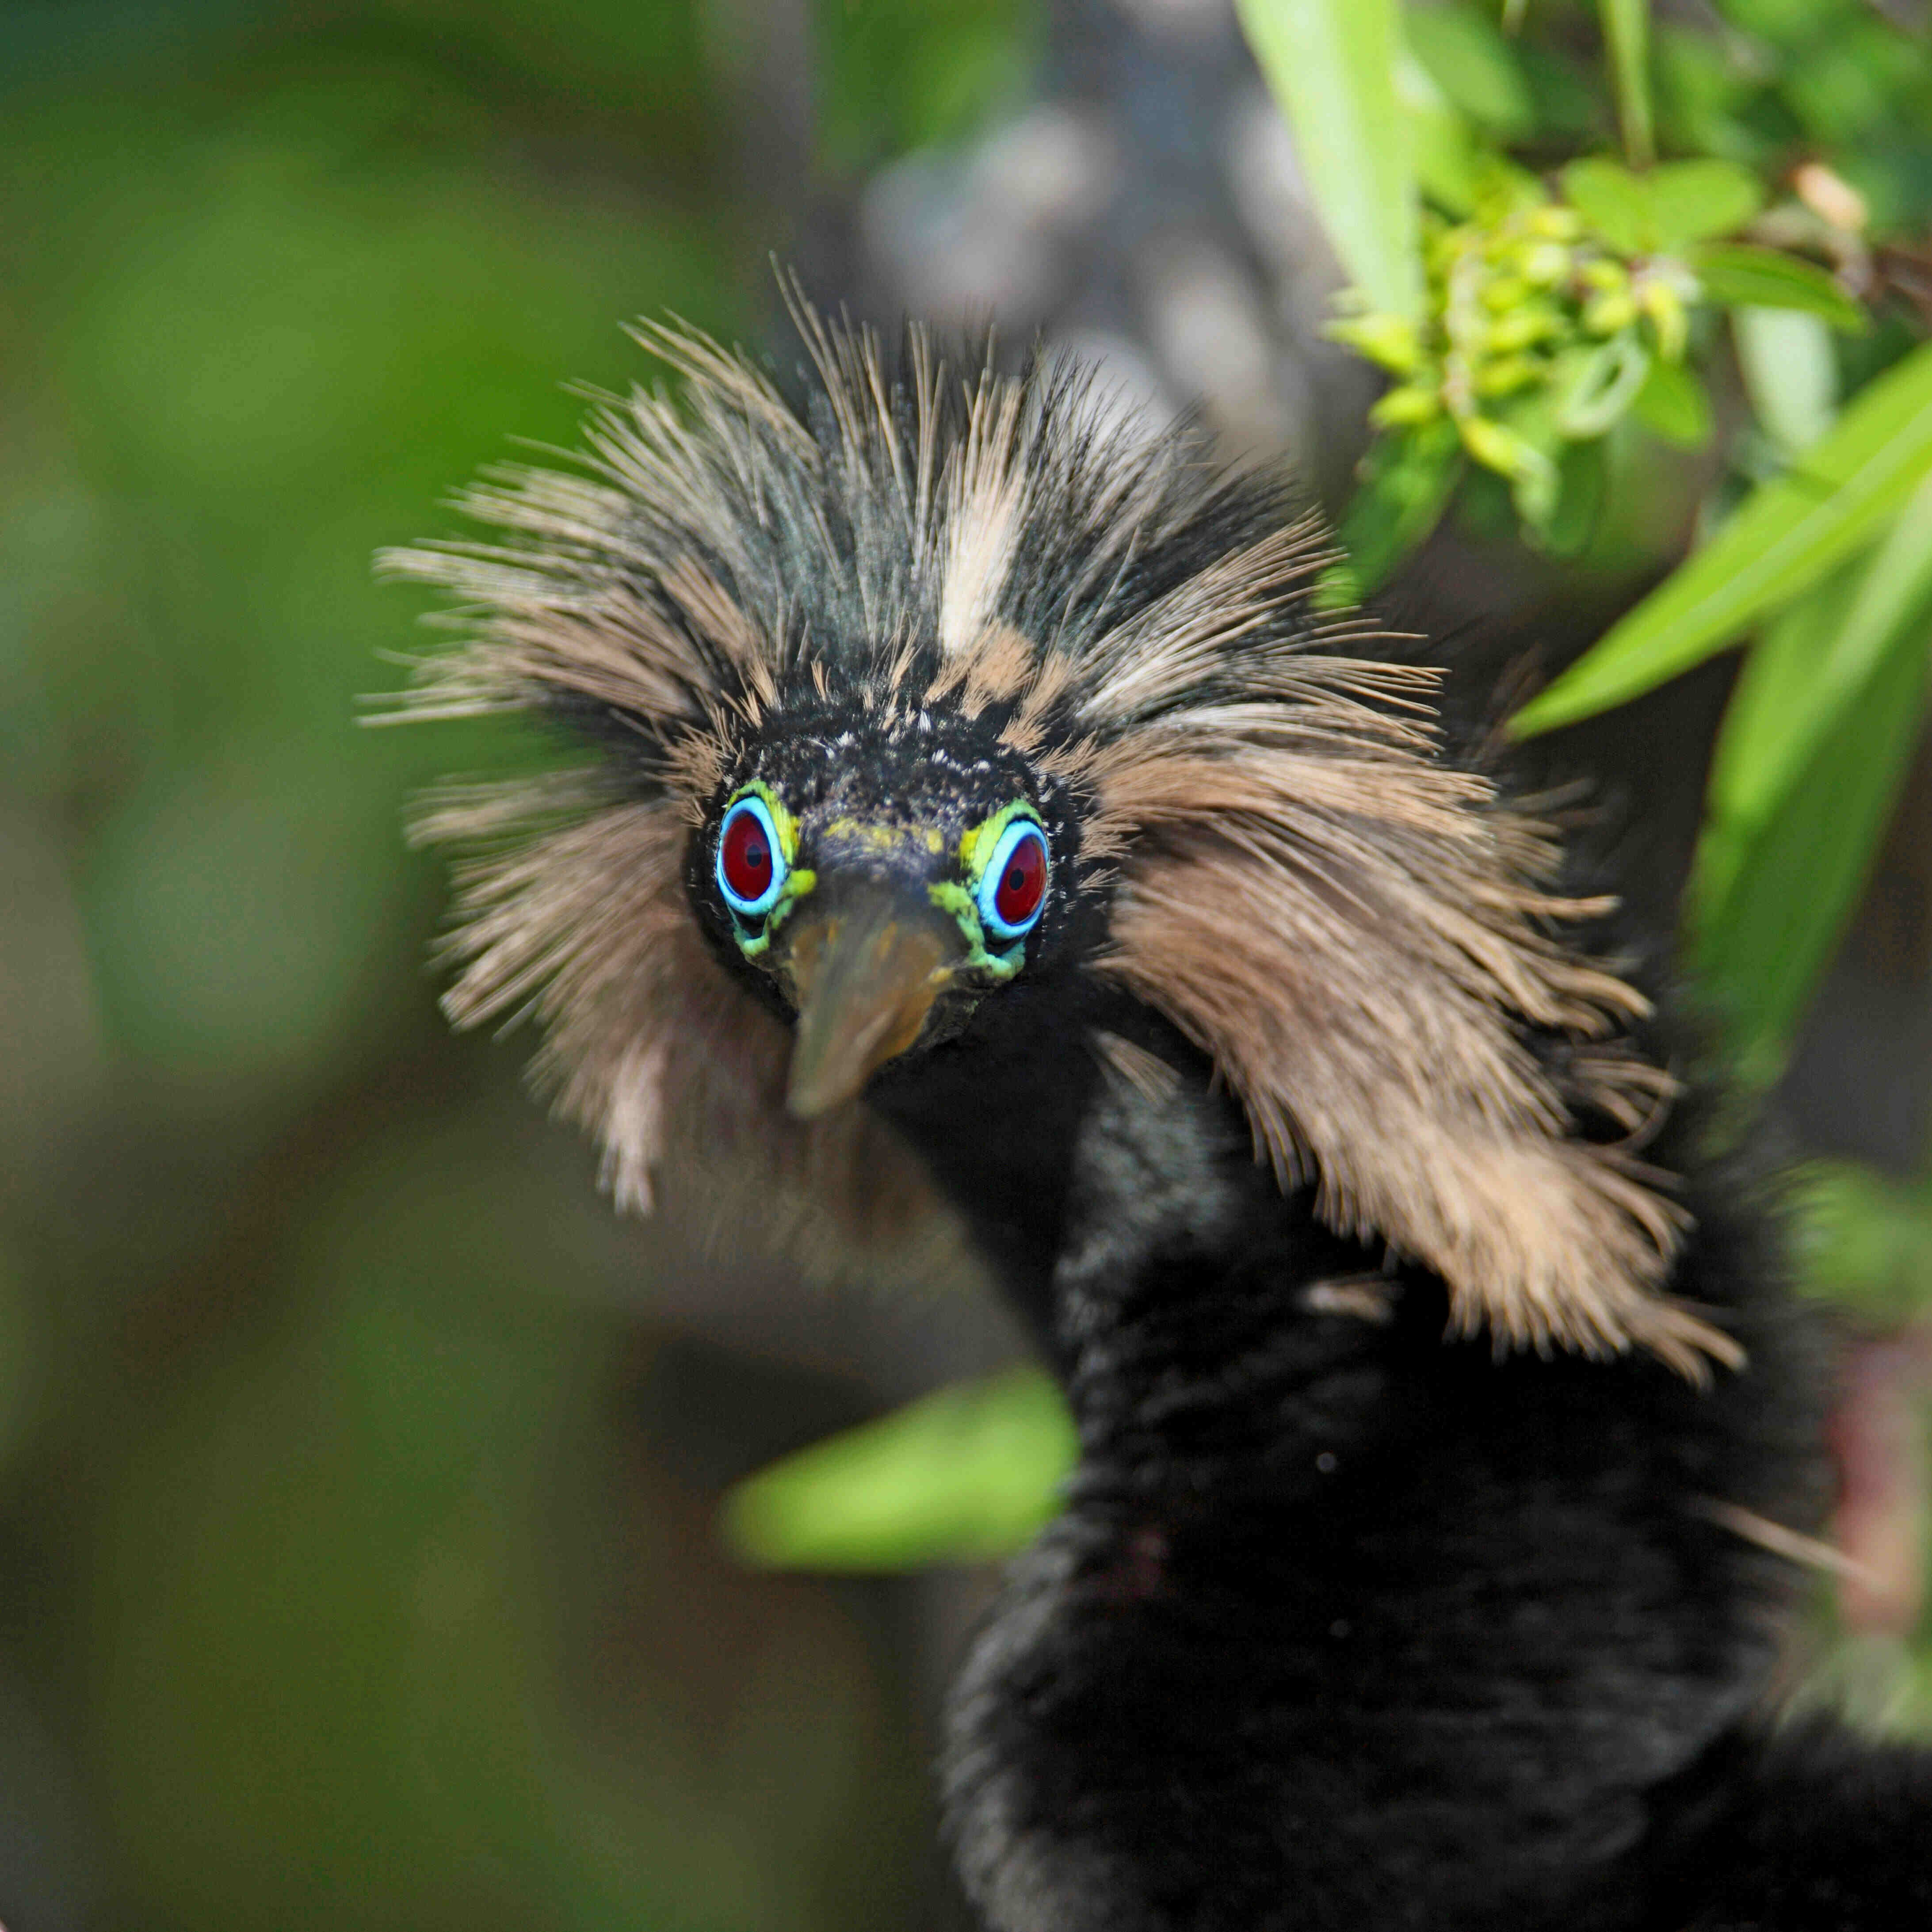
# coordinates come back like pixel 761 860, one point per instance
pixel 1346 1621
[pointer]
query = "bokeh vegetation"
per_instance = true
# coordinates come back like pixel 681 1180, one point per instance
pixel 357 1555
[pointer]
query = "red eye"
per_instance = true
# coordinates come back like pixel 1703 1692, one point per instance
pixel 749 868
pixel 1019 884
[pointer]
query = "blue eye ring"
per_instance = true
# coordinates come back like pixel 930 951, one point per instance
pixel 1021 852
pixel 744 828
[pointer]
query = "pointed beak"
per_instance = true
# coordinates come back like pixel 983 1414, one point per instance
pixel 865 968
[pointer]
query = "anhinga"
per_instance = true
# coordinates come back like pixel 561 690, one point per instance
pixel 969 774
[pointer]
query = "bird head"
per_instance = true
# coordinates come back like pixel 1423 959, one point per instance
pixel 879 871
pixel 935 690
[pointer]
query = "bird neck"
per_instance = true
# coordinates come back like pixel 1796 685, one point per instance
pixel 1340 1608
pixel 998 1116
pixel 1112 1184
pixel 1214 1335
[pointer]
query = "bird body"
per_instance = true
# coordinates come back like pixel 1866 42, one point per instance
pixel 973 783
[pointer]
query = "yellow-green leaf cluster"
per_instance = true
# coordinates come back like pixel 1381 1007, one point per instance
pixel 1549 314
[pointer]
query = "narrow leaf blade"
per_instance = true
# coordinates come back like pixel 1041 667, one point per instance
pixel 1762 947
pixel 1468 57
pixel 1798 685
pixel 1770 694
pixel 1331 65
pixel 1442 151
pixel 1737 274
pixel 1788 534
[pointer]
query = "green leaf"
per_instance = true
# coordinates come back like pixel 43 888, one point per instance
pixel 1790 374
pixel 1442 151
pixel 1696 201
pixel 1535 484
pixel 1331 65
pixel 1802 678
pixel 1604 388
pixel 1612 200
pixel 1800 803
pixel 1783 539
pixel 1865 1238
pixel 1746 778
pixel 1407 481
pixel 1669 208
pixel 1475 66
pixel 963 1476
pixel 1736 274
pixel 1763 950
pixel 1627 36
pixel 1584 472
pixel 1674 404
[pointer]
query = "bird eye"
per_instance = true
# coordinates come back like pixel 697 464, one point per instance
pixel 1012 888
pixel 751 866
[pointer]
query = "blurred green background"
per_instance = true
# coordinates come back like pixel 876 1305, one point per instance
pixel 357 1555
pixel 359 1470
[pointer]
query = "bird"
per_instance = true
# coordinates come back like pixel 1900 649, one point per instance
pixel 965 795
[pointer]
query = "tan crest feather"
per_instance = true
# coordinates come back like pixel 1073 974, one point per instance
pixel 1342 938
pixel 988 489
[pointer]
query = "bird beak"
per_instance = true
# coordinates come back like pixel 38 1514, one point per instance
pixel 865 969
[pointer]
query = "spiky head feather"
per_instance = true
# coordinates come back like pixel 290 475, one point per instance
pixel 1364 937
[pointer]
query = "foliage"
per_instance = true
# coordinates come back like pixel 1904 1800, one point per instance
pixel 968 1472
pixel 1547 320
pixel 358 1558
pixel 1333 69
pixel 895 77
